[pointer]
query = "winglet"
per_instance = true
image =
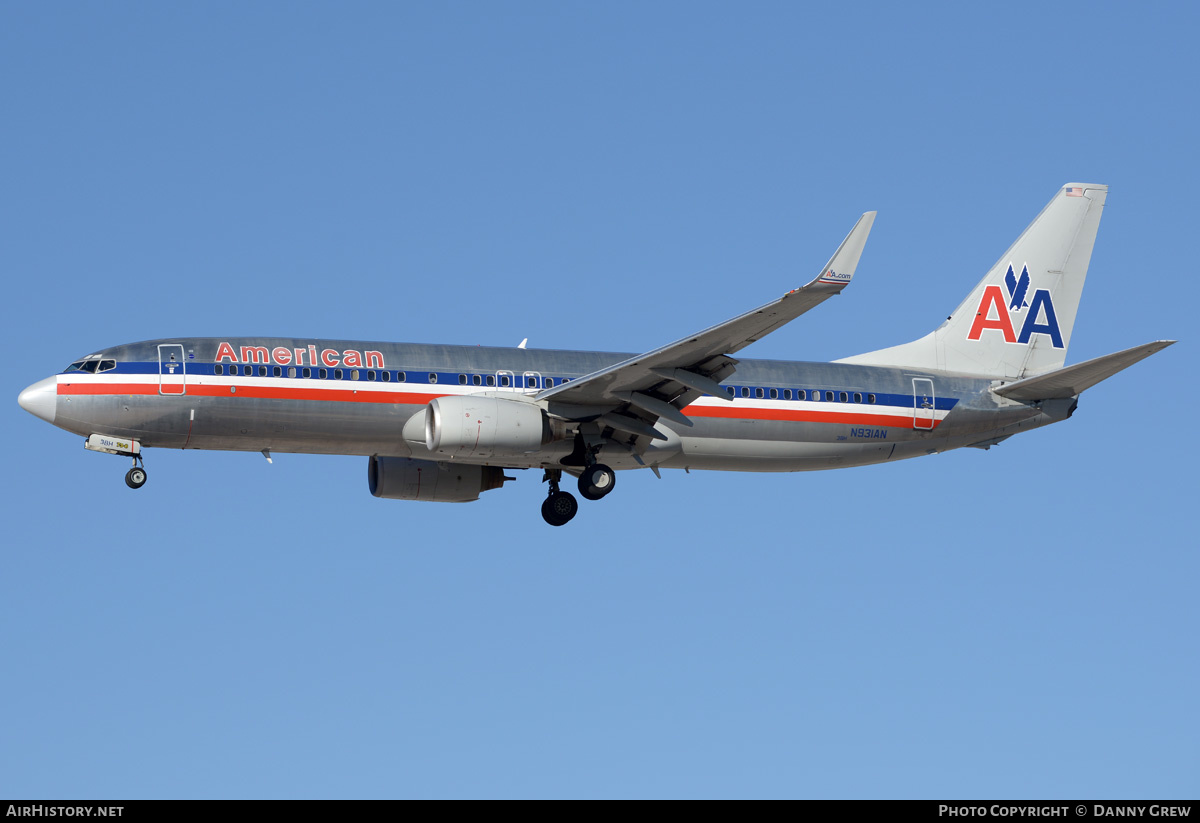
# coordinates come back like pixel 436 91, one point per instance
pixel 840 268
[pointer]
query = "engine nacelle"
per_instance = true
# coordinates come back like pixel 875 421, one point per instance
pixel 471 426
pixel 401 478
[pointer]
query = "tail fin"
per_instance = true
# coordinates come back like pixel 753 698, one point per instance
pixel 1017 321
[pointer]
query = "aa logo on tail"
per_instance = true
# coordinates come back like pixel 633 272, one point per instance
pixel 994 312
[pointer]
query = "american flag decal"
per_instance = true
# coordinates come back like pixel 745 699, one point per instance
pixel 1074 191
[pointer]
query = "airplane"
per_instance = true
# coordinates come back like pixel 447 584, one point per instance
pixel 443 423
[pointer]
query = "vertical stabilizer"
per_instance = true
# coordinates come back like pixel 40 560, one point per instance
pixel 1017 321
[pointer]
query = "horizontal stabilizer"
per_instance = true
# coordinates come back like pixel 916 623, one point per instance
pixel 1073 380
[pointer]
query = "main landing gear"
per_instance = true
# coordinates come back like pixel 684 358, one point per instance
pixel 596 481
pixel 559 507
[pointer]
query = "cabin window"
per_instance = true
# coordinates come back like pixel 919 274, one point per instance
pixel 371 376
pixel 432 377
pixel 462 380
pixel 307 372
pixel 323 373
pixel 491 379
pixel 549 382
pixel 774 394
pixel 291 371
pixel 816 395
pixel 385 376
pixel 354 374
pixel 262 371
pixel 337 374
pixel 829 397
pixel 476 380
pixel 276 371
pixel 745 391
pixel 800 394
pixel 858 397
pixel 787 394
pixel 843 397
pixel 220 369
pixel 732 391
pixel 401 377
pixel 870 398
pixel 504 381
pixel 758 393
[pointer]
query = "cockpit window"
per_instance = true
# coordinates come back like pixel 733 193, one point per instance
pixel 89 366
pixel 105 365
pixel 76 366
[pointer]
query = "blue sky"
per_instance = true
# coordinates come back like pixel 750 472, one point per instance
pixel 1015 623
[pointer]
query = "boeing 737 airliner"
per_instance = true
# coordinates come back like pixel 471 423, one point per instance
pixel 442 423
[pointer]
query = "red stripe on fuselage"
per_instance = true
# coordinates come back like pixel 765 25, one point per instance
pixel 802 416
pixel 347 395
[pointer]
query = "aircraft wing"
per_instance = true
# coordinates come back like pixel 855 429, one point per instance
pixel 660 382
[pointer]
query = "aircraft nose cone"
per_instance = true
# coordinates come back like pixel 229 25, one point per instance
pixel 40 399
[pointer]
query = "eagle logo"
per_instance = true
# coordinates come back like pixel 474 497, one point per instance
pixel 1017 289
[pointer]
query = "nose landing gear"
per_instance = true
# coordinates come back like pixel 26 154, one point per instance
pixel 135 478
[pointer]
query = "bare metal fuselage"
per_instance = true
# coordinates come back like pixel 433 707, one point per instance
pixel 441 423
pixel 351 397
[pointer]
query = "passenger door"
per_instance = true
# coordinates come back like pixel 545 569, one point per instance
pixel 924 402
pixel 172 369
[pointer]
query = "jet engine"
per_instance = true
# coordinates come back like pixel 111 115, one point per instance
pixel 401 478
pixel 482 427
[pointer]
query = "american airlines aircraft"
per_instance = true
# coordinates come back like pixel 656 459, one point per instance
pixel 442 423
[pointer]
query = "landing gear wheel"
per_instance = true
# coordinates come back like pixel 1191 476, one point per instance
pixel 559 508
pixel 135 478
pixel 596 481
